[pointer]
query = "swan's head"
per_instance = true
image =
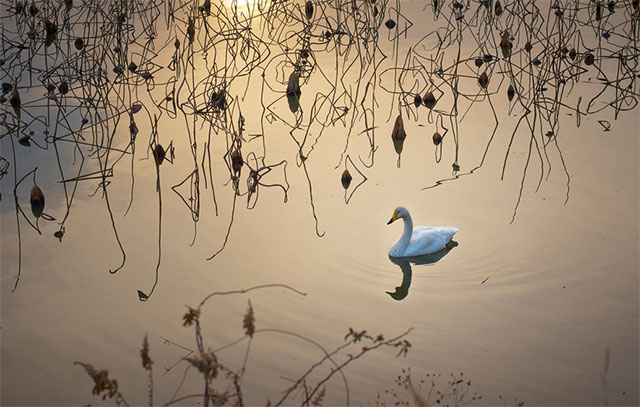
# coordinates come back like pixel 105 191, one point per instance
pixel 399 212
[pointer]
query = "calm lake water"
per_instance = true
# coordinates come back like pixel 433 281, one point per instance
pixel 538 303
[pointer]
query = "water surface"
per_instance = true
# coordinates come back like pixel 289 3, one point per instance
pixel 538 302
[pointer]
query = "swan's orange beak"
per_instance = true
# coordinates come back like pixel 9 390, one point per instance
pixel 393 217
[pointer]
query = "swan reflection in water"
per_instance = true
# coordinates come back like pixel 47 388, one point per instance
pixel 405 265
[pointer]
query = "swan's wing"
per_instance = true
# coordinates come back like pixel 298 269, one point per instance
pixel 426 240
pixel 447 231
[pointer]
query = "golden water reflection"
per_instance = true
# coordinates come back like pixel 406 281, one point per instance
pixel 204 150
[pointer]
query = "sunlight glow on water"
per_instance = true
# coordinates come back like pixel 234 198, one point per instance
pixel 240 6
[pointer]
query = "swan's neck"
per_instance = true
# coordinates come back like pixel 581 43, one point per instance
pixel 405 238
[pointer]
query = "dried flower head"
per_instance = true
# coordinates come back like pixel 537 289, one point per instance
pixel 102 383
pixel 248 322
pixel 144 354
pixel 206 363
pixel 218 399
pixel 317 400
pixel 190 317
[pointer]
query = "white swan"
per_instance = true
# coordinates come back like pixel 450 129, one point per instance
pixel 419 240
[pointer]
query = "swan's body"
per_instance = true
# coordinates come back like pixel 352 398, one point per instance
pixel 421 239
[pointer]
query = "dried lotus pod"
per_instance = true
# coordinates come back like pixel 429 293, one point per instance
pixel 63 88
pixel 417 100
pixel 483 80
pixel 308 9
pixel 398 132
pixel 206 7
pixel 437 138
pixel 589 58
pixel 218 100
pixel 15 102
pixel 398 136
pixel 294 92
pixel 159 154
pixel 236 161
pixel 37 201
pixel 51 30
pixel 429 100
pixel 528 47
pixel 506 45
pixel 24 141
pixel 346 179
pixel 511 92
